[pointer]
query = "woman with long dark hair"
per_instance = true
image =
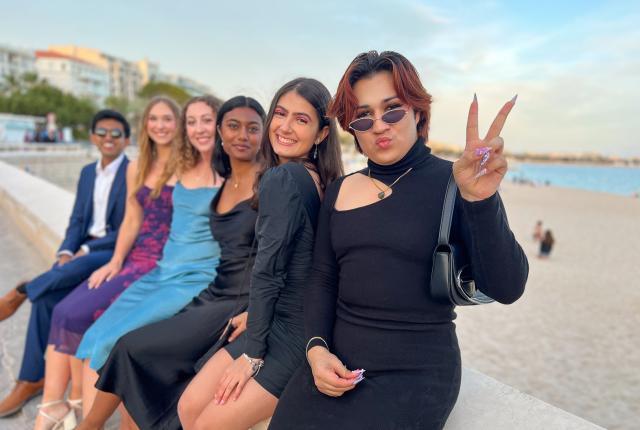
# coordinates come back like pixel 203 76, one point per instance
pixel 369 307
pixel 240 385
pixel 149 368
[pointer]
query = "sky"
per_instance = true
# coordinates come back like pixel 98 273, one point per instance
pixel 575 65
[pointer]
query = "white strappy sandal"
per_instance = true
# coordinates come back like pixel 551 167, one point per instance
pixel 68 422
pixel 76 406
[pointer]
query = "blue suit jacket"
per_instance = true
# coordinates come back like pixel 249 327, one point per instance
pixel 78 229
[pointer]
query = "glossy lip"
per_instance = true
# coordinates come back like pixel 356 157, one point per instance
pixel 164 135
pixel 241 146
pixel 280 142
pixel 203 146
pixel 383 141
pixel 203 140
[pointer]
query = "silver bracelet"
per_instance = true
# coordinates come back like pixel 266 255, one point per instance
pixel 256 364
pixel 306 350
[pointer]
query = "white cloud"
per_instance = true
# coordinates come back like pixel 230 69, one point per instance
pixel 578 85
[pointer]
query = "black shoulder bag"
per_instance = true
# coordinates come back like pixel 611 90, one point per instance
pixel 451 276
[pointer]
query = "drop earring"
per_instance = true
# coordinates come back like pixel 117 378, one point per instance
pixel 315 152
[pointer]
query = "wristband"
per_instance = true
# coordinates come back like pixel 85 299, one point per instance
pixel 318 338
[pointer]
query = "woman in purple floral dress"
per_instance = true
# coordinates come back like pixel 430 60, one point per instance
pixel 73 316
pixel 141 239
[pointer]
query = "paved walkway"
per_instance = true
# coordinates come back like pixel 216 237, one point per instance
pixel 18 260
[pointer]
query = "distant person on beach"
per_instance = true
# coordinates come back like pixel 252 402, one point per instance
pixel 537 231
pixel 546 245
pixel 88 244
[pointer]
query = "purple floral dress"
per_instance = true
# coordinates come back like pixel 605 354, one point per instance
pixel 75 314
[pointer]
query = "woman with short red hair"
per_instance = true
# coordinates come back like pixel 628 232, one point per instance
pixel 368 304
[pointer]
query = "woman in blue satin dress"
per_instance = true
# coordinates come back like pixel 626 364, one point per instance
pixel 190 255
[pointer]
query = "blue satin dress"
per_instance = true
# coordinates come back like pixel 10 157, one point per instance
pixel 189 260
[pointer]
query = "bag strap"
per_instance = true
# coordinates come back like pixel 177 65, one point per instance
pixel 447 211
pixel 308 190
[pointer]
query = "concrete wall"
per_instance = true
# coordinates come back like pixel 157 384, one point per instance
pixel 38 208
pixel 41 211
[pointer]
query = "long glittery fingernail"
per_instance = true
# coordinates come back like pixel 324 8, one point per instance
pixel 358 380
pixel 513 100
pixel 480 173
pixel 485 158
pixel 481 151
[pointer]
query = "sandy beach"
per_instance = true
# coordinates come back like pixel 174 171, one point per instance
pixel 572 339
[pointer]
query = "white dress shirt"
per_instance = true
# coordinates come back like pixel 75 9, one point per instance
pixel 101 190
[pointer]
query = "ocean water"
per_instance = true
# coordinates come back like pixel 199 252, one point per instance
pixel 63 170
pixel 614 180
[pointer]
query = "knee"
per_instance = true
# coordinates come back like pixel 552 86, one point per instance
pixel 122 346
pixel 202 424
pixel 61 316
pixel 188 410
pixel 43 306
pixel 131 345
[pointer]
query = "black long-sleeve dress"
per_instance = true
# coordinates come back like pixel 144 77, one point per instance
pixel 149 368
pixel 285 233
pixel 369 298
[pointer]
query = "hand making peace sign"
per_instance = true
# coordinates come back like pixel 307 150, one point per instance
pixel 480 169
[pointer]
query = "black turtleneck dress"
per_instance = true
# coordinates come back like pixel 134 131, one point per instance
pixel 368 297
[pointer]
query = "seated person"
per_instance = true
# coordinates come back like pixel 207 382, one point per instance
pixel 88 244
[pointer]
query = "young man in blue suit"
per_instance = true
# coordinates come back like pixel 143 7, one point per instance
pixel 88 244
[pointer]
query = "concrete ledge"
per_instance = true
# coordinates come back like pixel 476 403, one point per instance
pixel 485 403
pixel 49 148
pixel 38 208
pixel 41 211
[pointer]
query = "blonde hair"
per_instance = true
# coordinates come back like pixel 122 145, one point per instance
pixel 147 148
pixel 185 156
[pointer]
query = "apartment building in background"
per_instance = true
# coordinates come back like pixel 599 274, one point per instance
pixel 148 71
pixel 90 72
pixel 16 62
pixel 72 75
pixel 125 79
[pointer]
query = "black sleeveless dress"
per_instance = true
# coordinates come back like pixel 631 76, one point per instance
pixel 149 368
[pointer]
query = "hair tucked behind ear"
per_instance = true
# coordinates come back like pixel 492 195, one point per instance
pixel 328 163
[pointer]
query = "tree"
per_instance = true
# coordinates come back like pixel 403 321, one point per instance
pixel 14 84
pixel 27 95
pixel 159 88
pixel 120 104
